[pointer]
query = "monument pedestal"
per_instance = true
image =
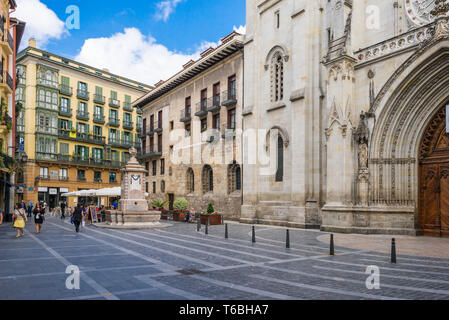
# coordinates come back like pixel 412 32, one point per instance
pixel 133 211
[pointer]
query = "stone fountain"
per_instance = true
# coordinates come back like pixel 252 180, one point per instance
pixel 133 211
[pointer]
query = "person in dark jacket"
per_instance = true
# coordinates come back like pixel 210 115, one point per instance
pixel 78 217
pixel 39 213
pixel 63 206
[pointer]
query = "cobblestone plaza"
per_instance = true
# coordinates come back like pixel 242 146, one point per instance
pixel 179 263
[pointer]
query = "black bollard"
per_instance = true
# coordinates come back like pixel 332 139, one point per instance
pixel 287 241
pixel 198 224
pixel 206 231
pixel 254 234
pixel 332 250
pixel 226 231
pixel 393 251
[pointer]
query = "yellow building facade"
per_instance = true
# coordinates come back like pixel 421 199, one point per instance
pixel 75 128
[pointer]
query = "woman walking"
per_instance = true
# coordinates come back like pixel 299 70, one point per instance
pixel 39 213
pixel 19 220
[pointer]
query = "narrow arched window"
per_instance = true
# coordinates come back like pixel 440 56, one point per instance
pixel 280 161
pixel 234 178
pixel 208 179
pixel 238 178
pixel 190 181
pixel 277 78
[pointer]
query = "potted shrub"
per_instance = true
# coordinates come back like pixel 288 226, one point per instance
pixel 181 207
pixel 211 216
pixel 159 205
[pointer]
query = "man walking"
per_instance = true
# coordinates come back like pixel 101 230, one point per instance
pixel 63 207
pixel 30 209
pixel 77 217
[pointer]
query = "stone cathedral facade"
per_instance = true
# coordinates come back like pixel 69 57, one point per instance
pixel 352 96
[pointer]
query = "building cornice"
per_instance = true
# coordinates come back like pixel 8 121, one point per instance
pixel 27 53
pixel 230 45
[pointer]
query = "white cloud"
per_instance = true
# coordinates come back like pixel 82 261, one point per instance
pixel 42 23
pixel 166 8
pixel 136 56
pixel 241 29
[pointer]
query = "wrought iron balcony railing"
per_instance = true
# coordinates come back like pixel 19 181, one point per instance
pixel 98 98
pixel 82 94
pixel 65 90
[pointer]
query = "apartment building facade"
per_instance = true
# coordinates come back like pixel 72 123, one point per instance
pixel 11 31
pixel 192 131
pixel 76 125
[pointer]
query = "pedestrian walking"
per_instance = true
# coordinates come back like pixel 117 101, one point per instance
pixel 19 220
pixel 77 216
pixel 63 207
pixel 1 216
pixel 39 213
pixel 30 209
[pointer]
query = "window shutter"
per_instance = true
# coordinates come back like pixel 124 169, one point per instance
pixel 99 91
pixel 70 125
pixel 128 99
pixel 113 95
pixel 88 128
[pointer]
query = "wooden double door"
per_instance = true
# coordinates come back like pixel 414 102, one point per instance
pixel 434 179
pixel 434 217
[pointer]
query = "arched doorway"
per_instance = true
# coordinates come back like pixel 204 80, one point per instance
pixel 434 178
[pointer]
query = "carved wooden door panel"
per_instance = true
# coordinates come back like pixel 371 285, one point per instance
pixel 444 200
pixel 430 196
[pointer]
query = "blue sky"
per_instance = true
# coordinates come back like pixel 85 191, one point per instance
pixel 173 28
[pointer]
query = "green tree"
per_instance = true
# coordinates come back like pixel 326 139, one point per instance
pixel 210 208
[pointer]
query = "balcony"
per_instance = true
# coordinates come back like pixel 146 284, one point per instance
pixel 6 81
pixel 128 125
pixel 149 155
pixel 114 122
pixel 120 143
pixel 229 98
pixel 99 99
pixel 65 112
pixel 139 111
pixel 201 108
pixel 78 161
pixel 127 107
pixel 48 83
pixel 65 90
pixel 46 130
pixel 113 103
pixel 82 115
pixel 186 115
pixel 214 104
pixel 81 137
pixel 82 179
pixel 7 43
pixel 99 119
pixel 82 94
pixel 158 126
pixel 47 105
pixel 7 161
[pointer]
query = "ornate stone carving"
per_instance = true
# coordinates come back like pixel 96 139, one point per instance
pixel 441 18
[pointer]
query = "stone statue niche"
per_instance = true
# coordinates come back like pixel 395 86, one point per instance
pixel 361 136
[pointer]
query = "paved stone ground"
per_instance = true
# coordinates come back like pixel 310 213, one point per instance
pixel 179 263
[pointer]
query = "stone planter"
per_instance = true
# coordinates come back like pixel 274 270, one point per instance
pixel 214 219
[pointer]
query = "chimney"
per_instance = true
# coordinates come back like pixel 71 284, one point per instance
pixel 32 43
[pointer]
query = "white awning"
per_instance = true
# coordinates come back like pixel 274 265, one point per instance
pixel 108 192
